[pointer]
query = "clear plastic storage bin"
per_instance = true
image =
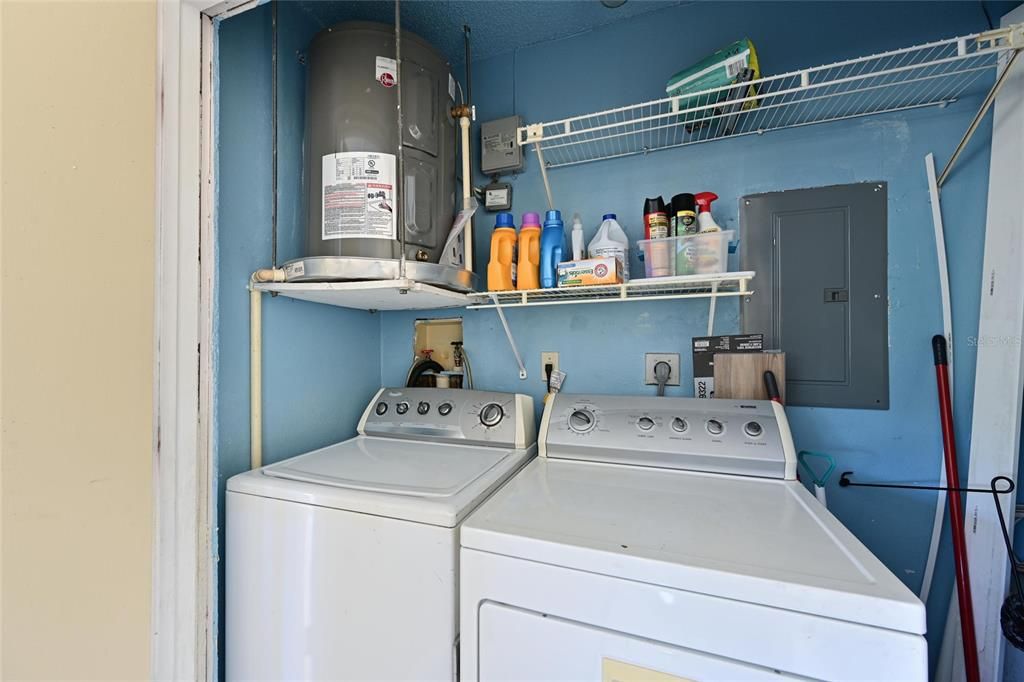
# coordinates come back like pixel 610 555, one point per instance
pixel 692 254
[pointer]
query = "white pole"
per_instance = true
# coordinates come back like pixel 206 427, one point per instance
pixel 467 191
pixel 255 378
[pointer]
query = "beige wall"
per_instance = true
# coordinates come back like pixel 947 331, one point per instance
pixel 76 345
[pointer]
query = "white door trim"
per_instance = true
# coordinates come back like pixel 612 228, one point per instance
pixel 184 507
pixel 998 386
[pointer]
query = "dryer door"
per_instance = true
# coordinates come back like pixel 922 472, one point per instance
pixel 516 644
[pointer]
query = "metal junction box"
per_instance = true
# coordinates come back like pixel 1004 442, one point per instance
pixel 499 151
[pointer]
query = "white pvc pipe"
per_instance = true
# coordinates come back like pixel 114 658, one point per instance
pixel 467 191
pixel 255 377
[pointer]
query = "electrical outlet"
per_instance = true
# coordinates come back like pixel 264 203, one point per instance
pixel 651 359
pixel 546 358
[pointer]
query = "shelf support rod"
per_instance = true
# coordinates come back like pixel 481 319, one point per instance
pixel 712 307
pixel 508 335
pixel 255 377
pixel 985 105
pixel 544 175
pixel 400 180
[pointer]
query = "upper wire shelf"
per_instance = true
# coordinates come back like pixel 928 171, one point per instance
pixel 936 73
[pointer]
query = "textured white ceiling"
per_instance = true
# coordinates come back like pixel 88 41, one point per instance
pixel 497 27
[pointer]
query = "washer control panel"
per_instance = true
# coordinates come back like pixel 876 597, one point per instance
pixel 451 414
pixel 749 437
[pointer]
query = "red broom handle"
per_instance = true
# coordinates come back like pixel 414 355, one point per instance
pixel 956 512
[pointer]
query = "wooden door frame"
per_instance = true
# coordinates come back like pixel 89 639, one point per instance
pixel 184 602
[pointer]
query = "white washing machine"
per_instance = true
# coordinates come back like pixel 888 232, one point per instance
pixel 342 564
pixel 667 539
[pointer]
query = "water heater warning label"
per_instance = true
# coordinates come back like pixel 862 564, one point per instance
pixel 358 196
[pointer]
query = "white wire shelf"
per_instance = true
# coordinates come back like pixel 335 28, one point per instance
pixel 688 286
pixel 385 294
pixel 934 74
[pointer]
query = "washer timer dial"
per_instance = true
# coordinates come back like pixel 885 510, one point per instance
pixel 491 414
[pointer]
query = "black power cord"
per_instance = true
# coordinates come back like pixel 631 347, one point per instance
pixel 662 372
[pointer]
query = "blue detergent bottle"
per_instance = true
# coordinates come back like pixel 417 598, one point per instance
pixel 552 248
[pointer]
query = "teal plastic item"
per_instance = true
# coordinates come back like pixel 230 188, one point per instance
pixel 802 459
pixel 718 70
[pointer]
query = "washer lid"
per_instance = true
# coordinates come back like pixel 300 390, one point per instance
pixel 758 540
pixel 391 466
pixel 435 483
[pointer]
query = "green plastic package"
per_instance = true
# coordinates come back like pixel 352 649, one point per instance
pixel 718 70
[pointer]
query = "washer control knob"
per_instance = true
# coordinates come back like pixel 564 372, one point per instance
pixel 581 421
pixel 679 425
pixel 444 409
pixel 402 407
pixel 753 429
pixel 645 423
pixel 491 414
pixel 381 408
pixel 423 407
pixel 715 427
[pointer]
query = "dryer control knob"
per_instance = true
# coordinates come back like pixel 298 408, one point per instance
pixel 381 408
pixel 402 407
pixel 679 425
pixel 423 407
pixel 444 409
pixel 491 414
pixel 715 427
pixel 645 423
pixel 581 421
pixel 753 429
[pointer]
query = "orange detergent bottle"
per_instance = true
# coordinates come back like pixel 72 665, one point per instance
pixel 501 270
pixel 529 252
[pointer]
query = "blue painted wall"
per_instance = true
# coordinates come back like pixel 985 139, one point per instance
pixel 321 364
pixel 602 346
pixel 315 391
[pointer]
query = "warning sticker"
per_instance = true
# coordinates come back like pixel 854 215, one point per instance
pixel 387 72
pixel 358 196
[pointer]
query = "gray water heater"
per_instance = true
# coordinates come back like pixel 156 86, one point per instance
pixel 352 142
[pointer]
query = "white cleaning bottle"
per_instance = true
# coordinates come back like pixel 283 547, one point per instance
pixel 705 221
pixel 577 237
pixel 611 240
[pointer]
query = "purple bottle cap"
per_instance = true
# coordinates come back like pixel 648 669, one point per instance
pixel 531 219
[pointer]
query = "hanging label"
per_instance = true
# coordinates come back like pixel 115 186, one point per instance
pixel 358 196
pixel 451 87
pixel 387 71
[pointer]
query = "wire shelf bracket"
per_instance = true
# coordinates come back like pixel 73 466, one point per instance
pixel 933 74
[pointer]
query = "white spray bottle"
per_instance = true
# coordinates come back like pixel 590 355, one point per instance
pixel 577 237
pixel 705 221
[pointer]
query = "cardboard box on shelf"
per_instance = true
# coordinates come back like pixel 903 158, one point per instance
pixel 591 271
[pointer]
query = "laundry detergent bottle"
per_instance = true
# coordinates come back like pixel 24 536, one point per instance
pixel 552 248
pixel 611 240
pixel 501 270
pixel 528 272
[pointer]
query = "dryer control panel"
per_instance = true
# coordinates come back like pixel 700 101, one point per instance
pixel 750 437
pixel 452 415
